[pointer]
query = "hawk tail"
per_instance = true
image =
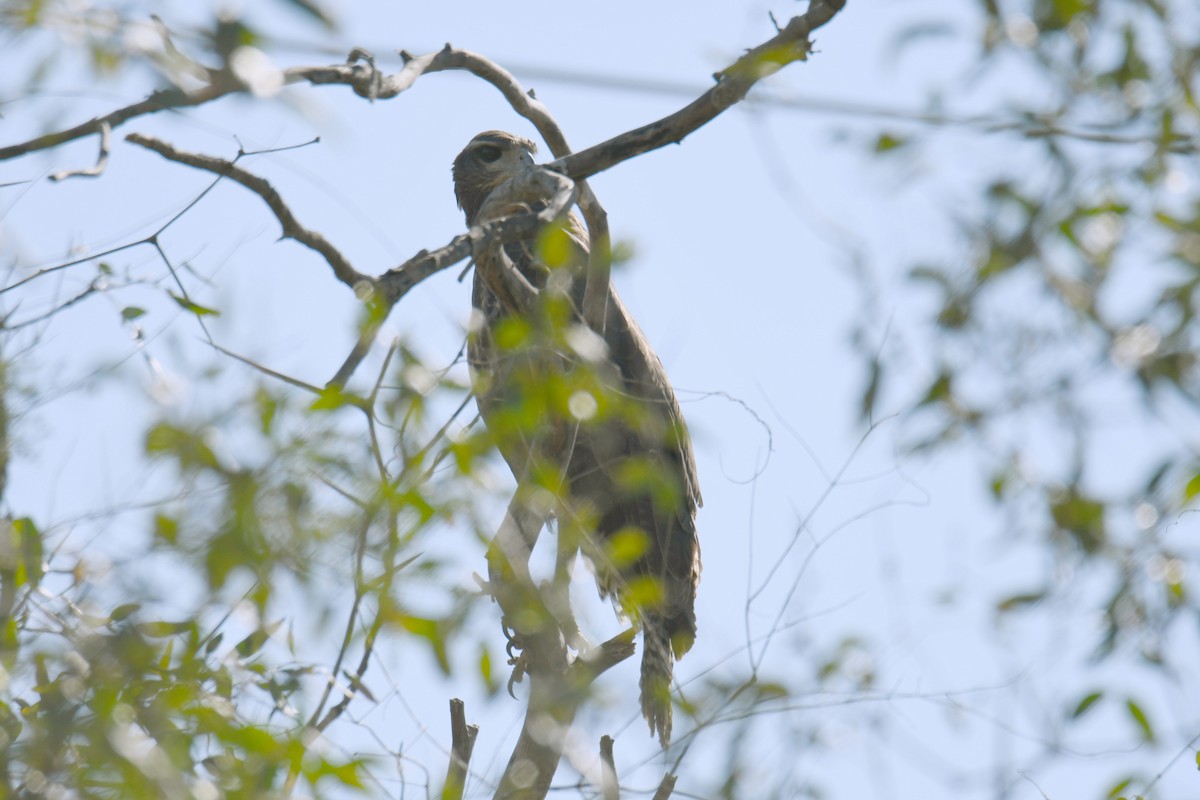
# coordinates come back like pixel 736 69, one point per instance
pixel 657 666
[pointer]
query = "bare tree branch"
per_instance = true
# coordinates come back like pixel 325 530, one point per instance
pixel 292 229
pixel 790 44
pixel 462 737
pixel 608 770
pixel 554 698
pixel 665 787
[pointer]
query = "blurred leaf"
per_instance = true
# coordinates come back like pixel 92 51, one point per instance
pixel 1020 600
pixel 1085 704
pixel 486 672
pixel 554 245
pixel 28 543
pixel 166 528
pixel 122 612
pixel 10 726
pixel 314 11
pixel 1081 517
pixel 1143 723
pixel 255 641
pixel 188 447
pixel 161 628
pixel 332 397
pixel 1115 792
pixel 1192 489
pixel 431 632
pixel 643 591
pixel 887 142
pixel 626 546
pixel 268 406
pixel 131 312
pixel 195 308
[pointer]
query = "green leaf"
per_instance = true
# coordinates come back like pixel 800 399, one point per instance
pixel 887 141
pixel 1086 704
pixel 255 641
pixel 555 246
pixel 1192 489
pixel 332 397
pixel 161 628
pixel 485 670
pixel 195 308
pixel 27 540
pixel 1017 601
pixel 132 312
pixel 191 450
pixel 267 407
pixel 124 611
pixel 166 528
pixel 1139 716
pixel 430 631
pixel 626 546
pixel 10 726
pixel 1082 518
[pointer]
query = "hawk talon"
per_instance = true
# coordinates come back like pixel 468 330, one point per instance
pixel 512 639
pixel 520 668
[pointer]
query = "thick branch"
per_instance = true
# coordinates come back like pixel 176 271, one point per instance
pixel 554 699
pixel 292 229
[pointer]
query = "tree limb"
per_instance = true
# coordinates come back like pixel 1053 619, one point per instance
pixel 554 699
pixel 790 44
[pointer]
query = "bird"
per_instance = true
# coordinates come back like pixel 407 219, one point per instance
pixel 630 484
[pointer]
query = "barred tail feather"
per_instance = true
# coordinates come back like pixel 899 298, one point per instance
pixel 657 667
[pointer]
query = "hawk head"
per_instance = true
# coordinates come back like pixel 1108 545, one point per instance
pixel 489 160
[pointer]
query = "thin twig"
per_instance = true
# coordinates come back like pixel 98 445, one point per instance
pixel 101 160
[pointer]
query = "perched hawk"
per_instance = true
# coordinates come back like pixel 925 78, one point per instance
pixel 631 491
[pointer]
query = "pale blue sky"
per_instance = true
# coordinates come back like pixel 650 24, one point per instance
pixel 745 238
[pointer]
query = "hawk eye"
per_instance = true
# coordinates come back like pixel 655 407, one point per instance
pixel 488 153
